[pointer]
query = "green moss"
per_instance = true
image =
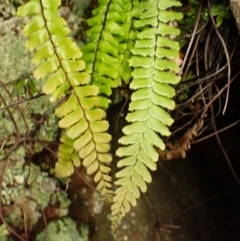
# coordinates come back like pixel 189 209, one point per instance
pixel 16 62
pixel 64 229
pixel 4 233
pixel 28 186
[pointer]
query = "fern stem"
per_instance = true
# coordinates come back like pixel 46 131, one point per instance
pixel 154 68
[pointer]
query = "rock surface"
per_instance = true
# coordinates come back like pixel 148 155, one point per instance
pixel 235 8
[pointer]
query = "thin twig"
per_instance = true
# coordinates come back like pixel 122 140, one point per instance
pixel 45 223
pixel 1 209
pixel 155 216
pixel 223 149
pixel 226 54
pixel 191 40
pixel 188 210
pixel 218 131
pixel 22 101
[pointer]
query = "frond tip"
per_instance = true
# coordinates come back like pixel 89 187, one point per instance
pixel 81 114
pixel 67 158
pixel 154 71
pixel 85 125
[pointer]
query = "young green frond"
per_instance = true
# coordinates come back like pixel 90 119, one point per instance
pixel 107 51
pixel 154 71
pixel 68 158
pixel 58 60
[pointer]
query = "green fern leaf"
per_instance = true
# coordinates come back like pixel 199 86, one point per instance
pixel 58 59
pixel 108 51
pixel 154 70
pixel 67 158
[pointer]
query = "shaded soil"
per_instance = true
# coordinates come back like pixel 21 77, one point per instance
pixel 174 209
pixel 196 199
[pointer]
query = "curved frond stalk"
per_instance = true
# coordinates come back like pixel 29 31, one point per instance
pixel 58 60
pixel 127 43
pixel 155 70
pixel 105 54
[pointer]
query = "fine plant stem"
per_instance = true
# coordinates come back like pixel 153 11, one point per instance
pixel 226 54
pixel 192 38
pixel 218 131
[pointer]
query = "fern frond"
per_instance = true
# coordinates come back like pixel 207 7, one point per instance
pixel 68 158
pixel 106 53
pixel 154 71
pixel 82 114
